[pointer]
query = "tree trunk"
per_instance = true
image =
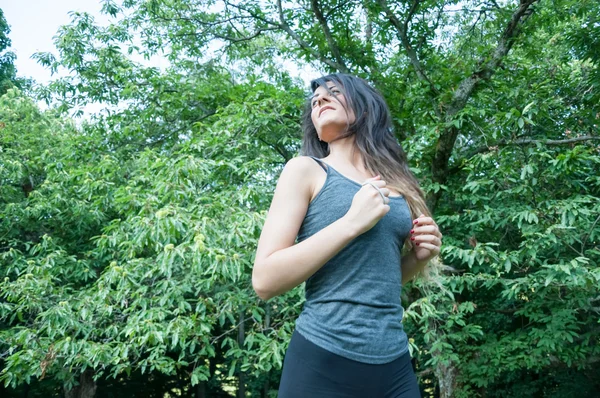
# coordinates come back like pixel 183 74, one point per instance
pixel 446 375
pixel 200 390
pixel 86 387
pixel 25 394
pixel 265 393
pixel 241 393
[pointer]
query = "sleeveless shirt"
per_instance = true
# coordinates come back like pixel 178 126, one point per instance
pixel 352 305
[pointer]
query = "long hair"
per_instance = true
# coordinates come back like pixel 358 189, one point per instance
pixel 374 139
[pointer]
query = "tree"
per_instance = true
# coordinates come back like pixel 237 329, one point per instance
pixel 8 72
pixel 7 69
pixel 122 261
pixel 496 108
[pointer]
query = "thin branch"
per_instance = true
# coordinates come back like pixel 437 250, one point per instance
pixel 589 233
pixel 411 12
pixel 234 40
pixel 402 29
pixel 254 15
pixel 284 25
pixel 531 142
pixel 435 26
pixel 557 142
pixel 555 361
pixel 199 21
pixel 332 44
pixel 286 156
pixel 503 143
pixel 335 9
pixel 233 329
pixel 471 29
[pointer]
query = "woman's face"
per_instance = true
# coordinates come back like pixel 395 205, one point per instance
pixel 330 114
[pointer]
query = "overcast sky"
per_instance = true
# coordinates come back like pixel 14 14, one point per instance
pixel 33 24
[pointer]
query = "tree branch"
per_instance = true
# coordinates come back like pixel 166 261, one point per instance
pixel 465 90
pixel 502 143
pixel 505 43
pixel 402 29
pixel 284 154
pixel 531 142
pixel 436 24
pixel 234 40
pixel 284 25
pixel 332 44
pixel 589 233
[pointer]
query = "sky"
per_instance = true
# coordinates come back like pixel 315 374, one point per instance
pixel 34 23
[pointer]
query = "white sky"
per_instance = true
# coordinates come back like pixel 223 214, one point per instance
pixel 33 24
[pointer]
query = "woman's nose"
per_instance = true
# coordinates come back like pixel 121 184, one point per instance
pixel 323 99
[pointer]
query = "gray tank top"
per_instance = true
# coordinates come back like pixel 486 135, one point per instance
pixel 352 303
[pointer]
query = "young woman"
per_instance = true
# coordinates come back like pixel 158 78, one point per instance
pixel 352 204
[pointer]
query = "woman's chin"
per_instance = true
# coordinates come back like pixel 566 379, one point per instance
pixel 330 135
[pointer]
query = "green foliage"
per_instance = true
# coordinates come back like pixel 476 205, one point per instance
pixel 125 264
pixel 8 72
pixel 126 244
pixel 7 68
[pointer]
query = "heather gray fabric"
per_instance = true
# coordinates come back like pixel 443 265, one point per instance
pixel 352 303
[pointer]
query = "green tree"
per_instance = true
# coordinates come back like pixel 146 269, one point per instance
pixel 135 260
pixel 161 197
pixel 8 72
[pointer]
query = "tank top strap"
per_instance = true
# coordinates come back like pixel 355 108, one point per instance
pixel 320 162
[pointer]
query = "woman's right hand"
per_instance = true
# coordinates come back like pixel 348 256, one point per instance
pixel 368 205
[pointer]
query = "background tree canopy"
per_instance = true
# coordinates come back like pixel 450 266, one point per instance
pixel 127 240
pixel 8 73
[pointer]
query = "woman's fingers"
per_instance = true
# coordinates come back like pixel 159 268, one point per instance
pixel 426 237
pixel 385 191
pixel 372 179
pixel 432 248
pixel 425 226
pixel 424 220
pixel 426 229
pixel 378 186
pixel 420 239
pixel 378 183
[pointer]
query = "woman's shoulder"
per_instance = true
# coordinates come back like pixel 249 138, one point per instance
pixel 305 174
pixel 302 164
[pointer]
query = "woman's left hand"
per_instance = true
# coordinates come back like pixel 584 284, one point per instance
pixel 426 237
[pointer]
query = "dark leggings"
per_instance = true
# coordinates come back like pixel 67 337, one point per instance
pixel 311 371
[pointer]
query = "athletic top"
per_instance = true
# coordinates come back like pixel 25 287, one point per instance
pixel 352 306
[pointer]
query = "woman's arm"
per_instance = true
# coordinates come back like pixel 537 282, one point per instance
pixel 281 265
pixel 410 266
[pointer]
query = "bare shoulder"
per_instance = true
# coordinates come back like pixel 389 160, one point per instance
pixel 302 164
pixel 303 172
pixel 289 206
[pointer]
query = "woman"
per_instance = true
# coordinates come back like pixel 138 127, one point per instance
pixel 352 203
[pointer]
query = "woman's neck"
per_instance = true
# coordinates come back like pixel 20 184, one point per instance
pixel 344 152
